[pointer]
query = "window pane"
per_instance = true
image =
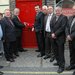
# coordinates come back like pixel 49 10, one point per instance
pixel 2 8
pixel 2 2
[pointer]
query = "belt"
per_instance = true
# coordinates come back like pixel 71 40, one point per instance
pixel 48 32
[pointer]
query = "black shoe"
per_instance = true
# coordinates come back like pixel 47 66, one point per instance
pixel 60 70
pixel 1 67
pixel 37 50
pixel 11 60
pixel 71 67
pixel 40 55
pixel 46 57
pixel 56 64
pixel 16 54
pixel 1 73
pixel 22 50
pixel 52 59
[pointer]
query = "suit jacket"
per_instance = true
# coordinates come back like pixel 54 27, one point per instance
pixel 9 30
pixel 39 22
pixel 72 32
pixel 58 27
pixel 45 20
pixel 18 24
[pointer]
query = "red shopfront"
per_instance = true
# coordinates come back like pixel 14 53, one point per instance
pixel 27 14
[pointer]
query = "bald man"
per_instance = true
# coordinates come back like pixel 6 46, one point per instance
pixel 44 9
pixel 71 38
pixel 58 25
pixel 19 26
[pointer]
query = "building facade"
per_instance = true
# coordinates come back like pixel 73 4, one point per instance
pixel 12 3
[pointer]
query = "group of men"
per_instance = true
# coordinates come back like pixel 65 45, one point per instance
pixel 52 30
pixel 10 35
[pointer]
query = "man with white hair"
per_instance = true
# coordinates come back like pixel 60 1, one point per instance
pixel 10 37
pixel 58 26
pixel 44 9
pixel 19 25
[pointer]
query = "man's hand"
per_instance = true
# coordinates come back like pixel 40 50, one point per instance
pixel 25 23
pixel 69 38
pixel 33 29
pixel 53 36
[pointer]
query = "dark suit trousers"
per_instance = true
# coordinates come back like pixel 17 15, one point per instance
pixel 9 49
pixel 72 51
pixel 40 41
pixel 58 47
pixel 18 42
pixel 48 44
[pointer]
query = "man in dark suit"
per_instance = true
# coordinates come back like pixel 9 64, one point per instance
pixel 10 37
pixel 19 25
pixel 70 31
pixel 39 28
pixel 47 29
pixel 58 25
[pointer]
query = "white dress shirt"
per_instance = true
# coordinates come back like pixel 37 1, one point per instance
pixel 48 23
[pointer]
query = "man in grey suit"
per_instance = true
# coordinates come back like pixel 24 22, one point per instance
pixel 47 29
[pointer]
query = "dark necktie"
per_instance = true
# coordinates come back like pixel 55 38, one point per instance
pixel 11 22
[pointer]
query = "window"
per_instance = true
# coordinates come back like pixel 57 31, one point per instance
pixel 4 4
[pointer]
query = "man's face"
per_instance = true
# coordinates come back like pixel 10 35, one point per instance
pixel 17 13
pixel 50 10
pixel 44 11
pixel 58 11
pixel 7 13
pixel 37 9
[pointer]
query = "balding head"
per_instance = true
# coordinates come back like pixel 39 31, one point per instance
pixel 58 11
pixel 16 11
pixel 44 9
